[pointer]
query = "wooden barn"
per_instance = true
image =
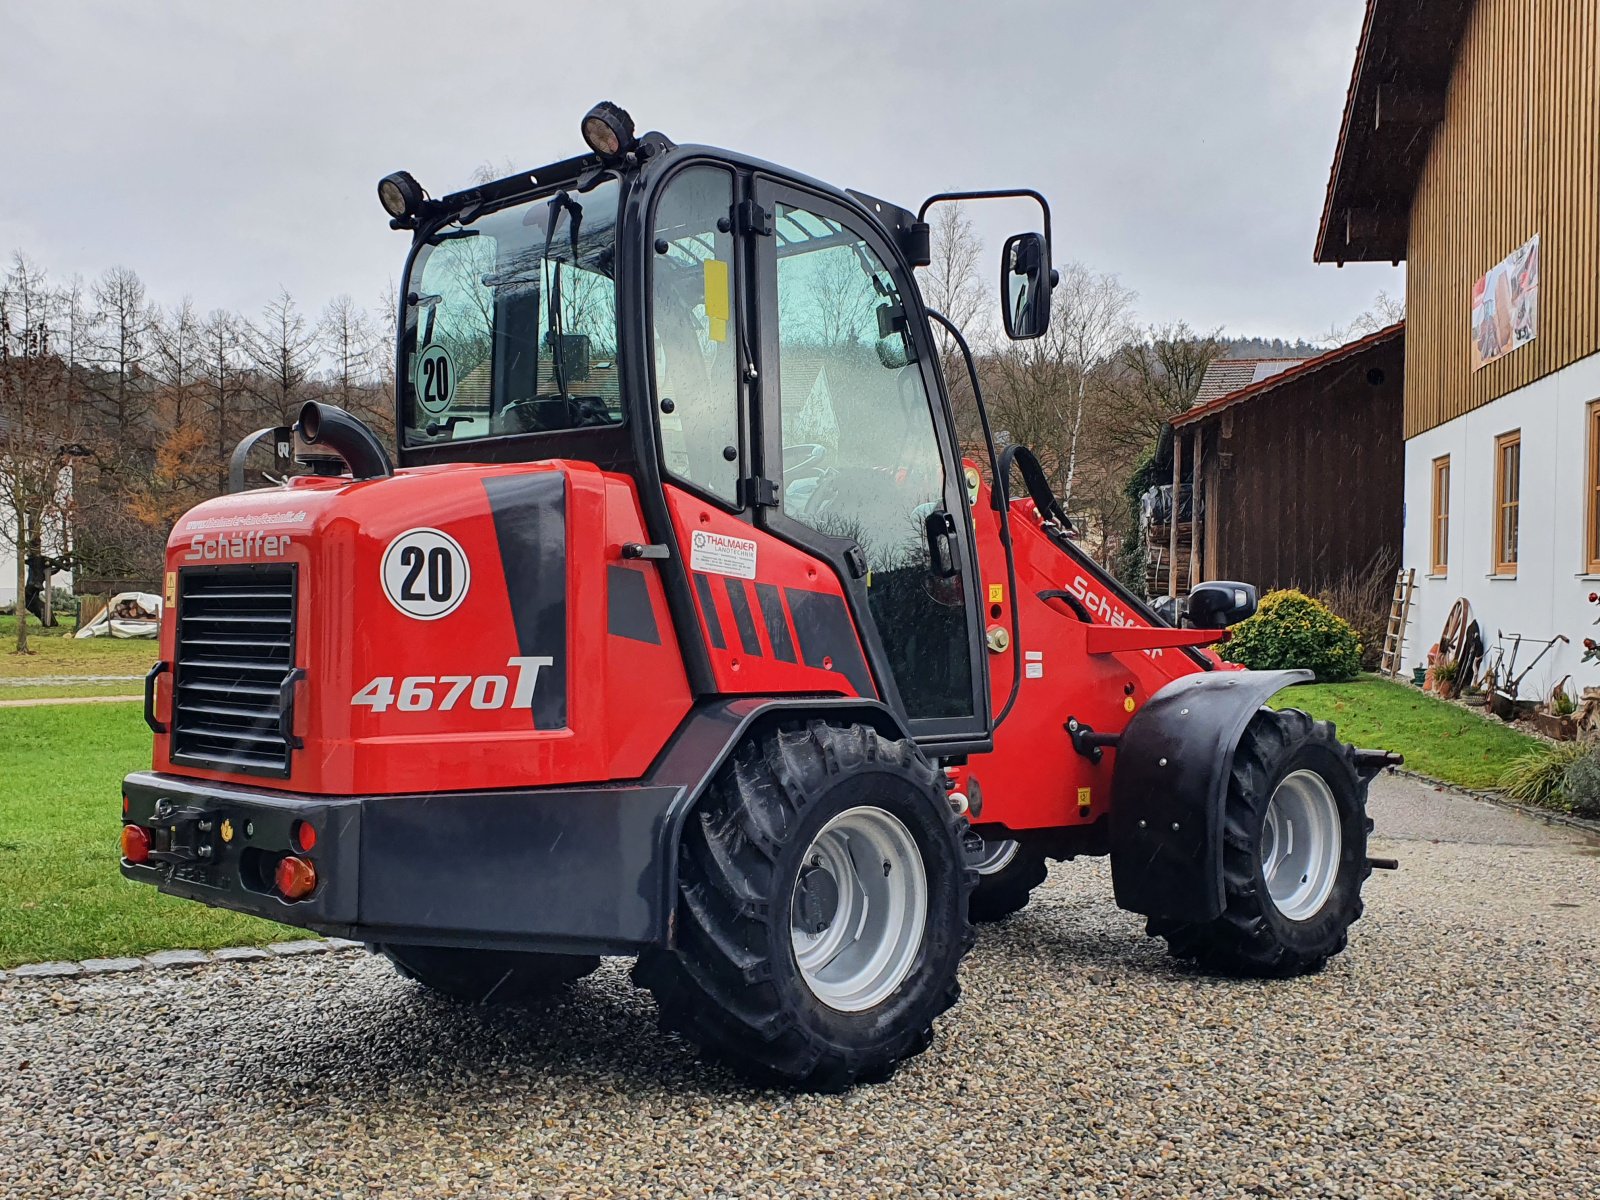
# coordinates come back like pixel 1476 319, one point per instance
pixel 1297 479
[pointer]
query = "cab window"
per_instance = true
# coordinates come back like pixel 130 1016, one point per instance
pixel 693 342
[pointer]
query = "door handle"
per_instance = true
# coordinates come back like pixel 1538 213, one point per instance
pixel 941 528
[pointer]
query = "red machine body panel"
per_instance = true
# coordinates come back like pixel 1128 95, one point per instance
pixel 394 702
pixel 775 619
pixel 1034 778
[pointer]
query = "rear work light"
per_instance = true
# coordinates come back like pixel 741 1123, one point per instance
pixel 296 878
pixel 135 843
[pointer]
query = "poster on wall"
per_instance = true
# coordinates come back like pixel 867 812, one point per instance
pixel 1505 305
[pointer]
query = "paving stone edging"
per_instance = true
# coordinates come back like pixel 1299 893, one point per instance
pixel 176 960
pixel 1548 816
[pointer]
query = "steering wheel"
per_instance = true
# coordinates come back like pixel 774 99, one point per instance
pixel 803 456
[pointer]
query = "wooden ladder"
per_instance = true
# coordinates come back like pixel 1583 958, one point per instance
pixel 1394 637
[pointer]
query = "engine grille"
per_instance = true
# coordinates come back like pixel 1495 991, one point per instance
pixel 234 672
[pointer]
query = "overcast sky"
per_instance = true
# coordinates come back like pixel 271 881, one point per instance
pixel 223 149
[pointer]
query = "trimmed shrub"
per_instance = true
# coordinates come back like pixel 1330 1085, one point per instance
pixel 1581 786
pixel 1291 630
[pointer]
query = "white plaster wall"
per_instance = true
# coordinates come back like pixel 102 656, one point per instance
pixel 8 576
pixel 1550 593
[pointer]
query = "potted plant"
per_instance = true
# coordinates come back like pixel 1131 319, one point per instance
pixel 1445 673
pixel 1558 720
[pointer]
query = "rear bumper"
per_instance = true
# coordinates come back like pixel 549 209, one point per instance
pixel 578 870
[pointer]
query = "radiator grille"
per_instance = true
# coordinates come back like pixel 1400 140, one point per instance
pixel 235 672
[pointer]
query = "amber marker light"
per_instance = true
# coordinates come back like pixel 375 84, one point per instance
pixel 296 878
pixel 135 844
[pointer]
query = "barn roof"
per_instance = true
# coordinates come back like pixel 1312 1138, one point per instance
pixel 1394 102
pixel 1300 370
pixel 1230 374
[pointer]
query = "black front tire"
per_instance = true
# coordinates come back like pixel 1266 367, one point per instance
pixel 1252 936
pixel 488 976
pixel 732 985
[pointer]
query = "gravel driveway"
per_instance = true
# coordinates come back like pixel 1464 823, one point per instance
pixel 1454 1050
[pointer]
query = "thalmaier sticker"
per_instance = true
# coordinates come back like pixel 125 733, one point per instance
pixel 426 574
pixel 719 554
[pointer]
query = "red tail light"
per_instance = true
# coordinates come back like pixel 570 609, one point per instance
pixel 135 843
pixel 305 836
pixel 296 878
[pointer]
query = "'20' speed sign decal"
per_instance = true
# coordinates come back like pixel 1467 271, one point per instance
pixel 435 379
pixel 426 574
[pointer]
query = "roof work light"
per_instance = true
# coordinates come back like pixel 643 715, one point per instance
pixel 401 195
pixel 608 130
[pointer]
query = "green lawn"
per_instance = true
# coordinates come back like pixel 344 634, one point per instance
pixel 1441 740
pixel 60 892
pixel 53 654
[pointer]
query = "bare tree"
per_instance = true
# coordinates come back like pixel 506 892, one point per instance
pixel 39 419
pixel 1092 316
pixel 121 344
pixel 176 363
pixel 1042 388
pixel 953 284
pixel 220 376
pixel 281 349
pixel 346 340
pixel 1156 377
pixel 1385 311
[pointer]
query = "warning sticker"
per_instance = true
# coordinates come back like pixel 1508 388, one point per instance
pixel 719 554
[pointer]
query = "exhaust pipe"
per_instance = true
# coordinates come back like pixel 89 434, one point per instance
pixel 329 425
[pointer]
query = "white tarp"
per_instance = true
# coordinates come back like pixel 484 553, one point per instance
pixel 129 615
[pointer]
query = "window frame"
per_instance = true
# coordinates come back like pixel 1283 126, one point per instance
pixel 1591 556
pixel 611 444
pixel 739 285
pixel 1439 528
pixel 951 734
pixel 1504 565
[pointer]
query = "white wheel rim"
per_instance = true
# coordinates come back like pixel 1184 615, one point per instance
pixel 996 856
pixel 874 933
pixel 1300 845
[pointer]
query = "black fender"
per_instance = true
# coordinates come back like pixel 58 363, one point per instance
pixel 703 742
pixel 1169 786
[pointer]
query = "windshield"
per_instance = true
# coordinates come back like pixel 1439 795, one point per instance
pixel 511 322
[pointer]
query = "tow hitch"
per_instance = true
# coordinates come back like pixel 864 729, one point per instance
pixel 189 834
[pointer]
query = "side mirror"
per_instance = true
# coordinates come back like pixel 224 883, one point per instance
pixel 1218 605
pixel 1026 278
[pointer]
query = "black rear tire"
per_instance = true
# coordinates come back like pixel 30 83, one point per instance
pixel 1253 936
pixel 488 976
pixel 1006 890
pixel 732 984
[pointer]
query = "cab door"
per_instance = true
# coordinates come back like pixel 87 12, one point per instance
pixel 857 448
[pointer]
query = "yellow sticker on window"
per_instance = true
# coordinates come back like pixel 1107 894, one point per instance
pixel 997 593
pixel 719 305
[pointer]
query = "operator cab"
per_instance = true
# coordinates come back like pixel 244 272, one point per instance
pixel 724 330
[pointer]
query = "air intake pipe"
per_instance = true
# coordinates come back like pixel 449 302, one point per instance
pixel 329 425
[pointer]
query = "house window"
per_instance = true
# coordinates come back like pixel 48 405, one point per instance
pixel 1507 493
pixel 1441 515
pixel 1592 500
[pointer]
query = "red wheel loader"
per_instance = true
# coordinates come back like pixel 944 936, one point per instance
pixel 676 627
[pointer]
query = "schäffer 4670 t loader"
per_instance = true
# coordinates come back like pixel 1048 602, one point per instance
pixel 683 631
